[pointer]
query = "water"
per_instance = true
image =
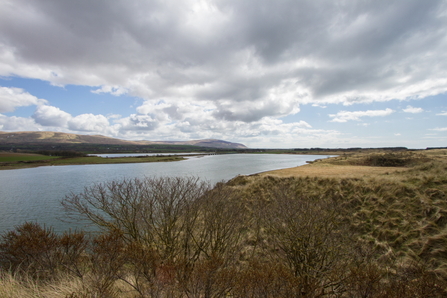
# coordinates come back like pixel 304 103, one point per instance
pixel 34 194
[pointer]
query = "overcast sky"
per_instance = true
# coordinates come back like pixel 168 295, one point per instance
pixel 268 74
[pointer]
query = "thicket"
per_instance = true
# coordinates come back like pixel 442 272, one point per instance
pixel 251 237
pixel 386 158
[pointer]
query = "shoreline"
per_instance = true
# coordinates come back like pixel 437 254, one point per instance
pixel 90 160
pixel 94 160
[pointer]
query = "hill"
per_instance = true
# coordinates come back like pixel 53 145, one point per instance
pixel 41 137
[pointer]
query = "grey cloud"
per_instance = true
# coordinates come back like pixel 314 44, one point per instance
pixel 251 114
pixel 233 53
pixel 138 123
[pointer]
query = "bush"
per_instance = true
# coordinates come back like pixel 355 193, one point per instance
pixel 40 252
pixel 392 160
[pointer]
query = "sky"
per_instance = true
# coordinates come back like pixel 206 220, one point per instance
pixel 264 73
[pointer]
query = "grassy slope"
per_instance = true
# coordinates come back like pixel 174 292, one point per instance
pixel 401 211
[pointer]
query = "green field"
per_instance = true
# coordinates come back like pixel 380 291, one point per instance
pixel 24 160
pixel 14 157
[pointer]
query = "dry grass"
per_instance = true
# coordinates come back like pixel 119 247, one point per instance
pixel 326 170
pixel 401 211
pixel 65 286
pixel 359 165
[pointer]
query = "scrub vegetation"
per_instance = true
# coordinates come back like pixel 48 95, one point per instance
pixel 266 235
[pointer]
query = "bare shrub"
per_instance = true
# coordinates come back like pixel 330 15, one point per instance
pixel 72 246
pixel 307 234
pixel 171 223
pixel 210 278
pixel 32 249
pixel 268 279
pixel 220 222
pixel 150 211
pixel 106 261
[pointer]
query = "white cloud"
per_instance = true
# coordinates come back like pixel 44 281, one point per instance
pixel 17 124
pixel 344 116
pixel 12 98
pixel 443 113
pixel 413 110
pixel 89 122
pixel 55 118
pixel 51 116
pixel 114 116
pixel 440 129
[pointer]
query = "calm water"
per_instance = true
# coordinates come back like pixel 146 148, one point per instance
pixel 35 194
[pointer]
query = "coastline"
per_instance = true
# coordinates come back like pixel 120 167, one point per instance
pixel 14 165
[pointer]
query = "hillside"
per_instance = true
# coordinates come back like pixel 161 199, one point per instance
pixel 40 137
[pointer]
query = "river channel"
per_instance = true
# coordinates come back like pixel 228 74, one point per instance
pixel 34 194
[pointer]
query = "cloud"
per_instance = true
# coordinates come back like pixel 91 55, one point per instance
pixel 12 98
pixel 440 129
pixel 51 116
pixel 114 90
pixel 17 124
pixel 88 122
pixel 220 68
pixel 413 110
pixel 137 123
pixel 345 116
pixel 443 113
pixel 248 59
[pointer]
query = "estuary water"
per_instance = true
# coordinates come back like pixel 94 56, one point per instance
pixel 34 194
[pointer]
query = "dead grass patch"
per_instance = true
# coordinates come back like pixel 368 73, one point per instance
pixel 333 171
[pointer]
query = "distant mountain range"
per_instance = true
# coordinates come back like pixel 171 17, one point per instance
pixel 39 137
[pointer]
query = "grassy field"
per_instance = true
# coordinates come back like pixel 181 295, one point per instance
pixel 16 157
pixel 25 160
